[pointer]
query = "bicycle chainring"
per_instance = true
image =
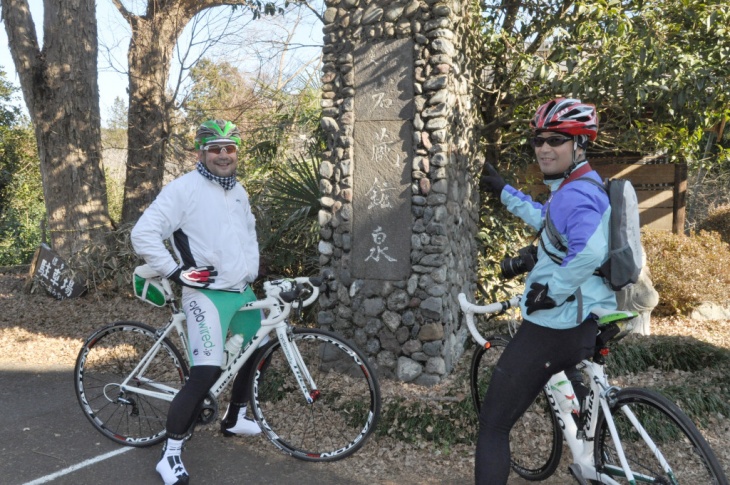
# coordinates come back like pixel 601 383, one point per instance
pixel 208 410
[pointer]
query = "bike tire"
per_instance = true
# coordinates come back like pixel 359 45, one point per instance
pixel 343 414
pixel 107 357
pixel 688 454
pixel 536 440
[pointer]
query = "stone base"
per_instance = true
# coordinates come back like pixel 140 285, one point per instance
pixel 643 324
pixel 710 311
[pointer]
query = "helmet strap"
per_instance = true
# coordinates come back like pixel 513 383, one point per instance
pixel 573 164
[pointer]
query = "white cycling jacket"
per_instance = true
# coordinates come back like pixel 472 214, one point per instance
pixel 207 226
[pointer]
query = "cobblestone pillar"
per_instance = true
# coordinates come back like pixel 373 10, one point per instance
pixel 400 202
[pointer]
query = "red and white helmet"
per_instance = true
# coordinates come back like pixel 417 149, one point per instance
pixel 569 116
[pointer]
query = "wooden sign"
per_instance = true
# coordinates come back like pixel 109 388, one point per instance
pixel 55 276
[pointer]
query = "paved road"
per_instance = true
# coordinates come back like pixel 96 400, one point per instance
pixel 44 438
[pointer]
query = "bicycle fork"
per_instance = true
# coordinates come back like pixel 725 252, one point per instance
pixel 301 373
pixel 607 400
pixel 639 428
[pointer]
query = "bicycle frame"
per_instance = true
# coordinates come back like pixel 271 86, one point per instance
pixel 276 319
pixel 580 441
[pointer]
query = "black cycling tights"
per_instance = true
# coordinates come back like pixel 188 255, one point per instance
pixel 534 354
pixel 185 407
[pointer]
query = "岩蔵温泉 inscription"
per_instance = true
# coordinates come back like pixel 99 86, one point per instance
pixel 383 150
pixel 382 200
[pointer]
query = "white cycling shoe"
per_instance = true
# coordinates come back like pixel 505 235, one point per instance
pixel 170 467
pixel 242 426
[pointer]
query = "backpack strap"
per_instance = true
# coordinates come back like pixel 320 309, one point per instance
pixel 550 230
pixel 575 174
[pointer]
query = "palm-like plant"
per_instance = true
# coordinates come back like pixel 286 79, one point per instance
pixel 288 216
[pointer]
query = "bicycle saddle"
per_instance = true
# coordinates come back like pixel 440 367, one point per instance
pixel 606 315
pixel 613 325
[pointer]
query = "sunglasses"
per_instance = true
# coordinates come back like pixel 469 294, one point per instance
pixel 217 148
pixel 553 141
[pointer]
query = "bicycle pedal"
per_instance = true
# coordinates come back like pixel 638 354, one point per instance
pixel 575 471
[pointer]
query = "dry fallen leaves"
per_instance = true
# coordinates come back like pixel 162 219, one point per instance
pixel 40 332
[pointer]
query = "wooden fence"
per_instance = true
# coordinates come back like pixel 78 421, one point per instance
pixel 661 187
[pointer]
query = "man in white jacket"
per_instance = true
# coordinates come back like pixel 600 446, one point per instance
pixel 207 217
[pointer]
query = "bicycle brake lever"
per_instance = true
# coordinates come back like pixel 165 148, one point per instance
pixel 288 296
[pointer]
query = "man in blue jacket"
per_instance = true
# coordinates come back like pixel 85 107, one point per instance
pixel 558 330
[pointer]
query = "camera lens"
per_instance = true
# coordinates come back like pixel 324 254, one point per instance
pixel 522 263
pixel 512 267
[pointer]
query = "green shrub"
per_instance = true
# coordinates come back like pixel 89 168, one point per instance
pixel 286 212
pixel 687 271
pixel 21 196
pixel 500 236
pixel 666 353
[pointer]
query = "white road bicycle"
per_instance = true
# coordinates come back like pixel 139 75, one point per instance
pixel 621 436
pixel 314 394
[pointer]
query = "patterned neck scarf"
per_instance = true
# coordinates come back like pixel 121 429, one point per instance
pixel 226 182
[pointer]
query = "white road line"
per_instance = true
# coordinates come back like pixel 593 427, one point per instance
pixel 79 466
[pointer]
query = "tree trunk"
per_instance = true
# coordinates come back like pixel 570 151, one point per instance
pixel 149 56
pixel 154 36
pixel 60 87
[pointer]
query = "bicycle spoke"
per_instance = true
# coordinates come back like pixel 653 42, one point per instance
pixel 685 455
pixel 534 456
pixel 343 414
pixel 107 358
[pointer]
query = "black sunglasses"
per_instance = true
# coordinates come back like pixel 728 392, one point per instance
pixel 553 141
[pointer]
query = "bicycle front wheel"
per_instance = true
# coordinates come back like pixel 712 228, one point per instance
pixel 106 359
pixel 536 440
pixel 344 407
pixel 689 459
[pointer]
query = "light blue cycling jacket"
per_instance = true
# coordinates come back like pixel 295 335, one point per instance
pixel 580 212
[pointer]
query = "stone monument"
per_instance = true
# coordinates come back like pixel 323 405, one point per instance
pixel 398 179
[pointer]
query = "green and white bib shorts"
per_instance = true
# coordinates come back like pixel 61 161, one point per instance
pixel 210 314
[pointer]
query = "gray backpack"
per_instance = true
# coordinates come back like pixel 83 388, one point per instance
pixel 625 257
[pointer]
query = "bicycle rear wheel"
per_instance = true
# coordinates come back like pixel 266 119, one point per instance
pixel 346 403
pixel 108 357
pixel 536 440
pixel 690 458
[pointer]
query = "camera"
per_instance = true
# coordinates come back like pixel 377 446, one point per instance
pixel 522 263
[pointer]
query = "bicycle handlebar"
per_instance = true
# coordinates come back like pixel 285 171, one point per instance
pixel 292 293
pixel 470 309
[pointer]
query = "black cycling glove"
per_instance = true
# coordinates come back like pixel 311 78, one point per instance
pixel 491 180
pixel 199 277
pixel 538 299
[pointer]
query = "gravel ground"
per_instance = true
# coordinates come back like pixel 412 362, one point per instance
pixel 34 324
